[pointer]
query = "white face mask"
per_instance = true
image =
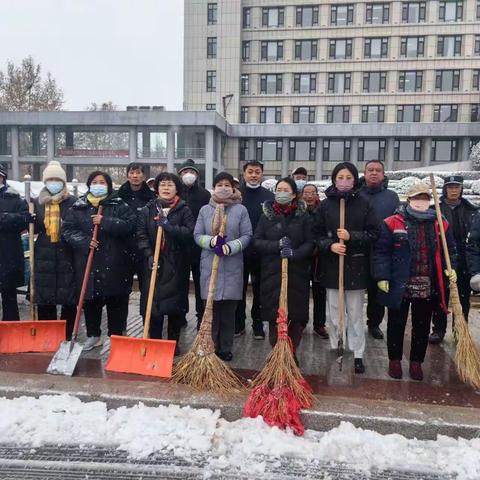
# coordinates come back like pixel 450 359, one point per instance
pixel 189 179
pixel 419 205
pixel 252 185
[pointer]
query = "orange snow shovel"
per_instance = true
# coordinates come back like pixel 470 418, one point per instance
pixel 143 356
pixel 31 335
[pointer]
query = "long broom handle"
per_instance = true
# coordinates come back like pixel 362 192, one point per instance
pixel 283 303
pixel 153 281
pixel 31 247
pixel 86 277
pixel 341 279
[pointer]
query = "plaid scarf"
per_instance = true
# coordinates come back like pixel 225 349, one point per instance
pixel 286 210
pixel 52 220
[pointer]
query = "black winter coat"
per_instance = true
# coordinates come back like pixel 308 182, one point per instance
pixel 270 229
pixel 14 219
pixel 112 271
pixel 54 271
pixel 364 227
pixel 174 269
pixel 384 201
pixel 136 200
pixel 473 246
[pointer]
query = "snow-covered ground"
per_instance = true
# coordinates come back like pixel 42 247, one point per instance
pixel 183 432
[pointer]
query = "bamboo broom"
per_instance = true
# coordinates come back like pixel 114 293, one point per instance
pixel 200 368
pixel 467 355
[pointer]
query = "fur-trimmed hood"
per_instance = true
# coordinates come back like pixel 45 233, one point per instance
pixel 269 212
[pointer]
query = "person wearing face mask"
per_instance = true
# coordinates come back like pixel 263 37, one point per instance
pixel 408 264
pixel 285 231
pixel 362 229
pixel 14 218
pixel 195 196
pixel 226 200
pixel 171 289
pixel 111 278
pixel 54 271
pixel 300 176
pixel 253 197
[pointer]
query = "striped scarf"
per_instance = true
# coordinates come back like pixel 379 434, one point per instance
pixel 52 220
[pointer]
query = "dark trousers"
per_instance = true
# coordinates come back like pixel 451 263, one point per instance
pixel 117 313
pixel 9 304
pixel 295 331
pixel 375 311
pixel 422 310
pixel 223 325
pixel 251 268
pixel 49 312
pixel 464 290
pixel 173 326
pixel 319 294
pixel 199 305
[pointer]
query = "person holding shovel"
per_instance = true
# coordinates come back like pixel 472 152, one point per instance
pixel 226 200
pixel 353 242
pixel 111 278
pixel 54 270
pixel 171 289
pixel 408 264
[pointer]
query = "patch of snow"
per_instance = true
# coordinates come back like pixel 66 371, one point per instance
pixel 476 187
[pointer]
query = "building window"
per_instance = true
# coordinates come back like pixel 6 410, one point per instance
pixel 270 115
pixel 413 12
pixel 244 84
pixel 306 16
pixel 246 50
pixel 336 150
pixel 211 13
pixel 445 113
pixel 409 113
pixel 376 48
pixel 444 150
pixel 305 49
pixel 269 150
pixel 407 151
pixel 449 45
pixel 304 82
pixel 303 114
pixel 243 114
pixel 377 13
pixel 211 81
pixel 371 150
pixel 212 47
pixel 302 150
pixel 338 114
pixel 447 80
pixel 271 51
pixel 339 82
pixel 475 113
pixel 410 81
pixel 476 80
pixel 450 11
pixel 243 149
pixel 373 113
pixel 478 9
pixel 341 15
pixel 374 81
pixel 271 83
pixel 340 49
pixel 32 141
pixel 246 18
pixel 411 47
pixel 273 17
pixel 477 45
pixel 211 106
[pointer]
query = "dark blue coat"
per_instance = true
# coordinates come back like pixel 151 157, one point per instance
pixel 384 201
pixel 473 246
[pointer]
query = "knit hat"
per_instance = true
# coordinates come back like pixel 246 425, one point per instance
pixel 188 163
pixel 300 171
pixel 54 170
pixel 419 188
pixel 3 170
pixel 454 180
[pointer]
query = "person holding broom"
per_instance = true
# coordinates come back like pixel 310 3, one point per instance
pixel 171 213
pixel 285 231
pixel 226 200
pixel 408 264
pixel 111 278
pixel 54 270
pixel 361 230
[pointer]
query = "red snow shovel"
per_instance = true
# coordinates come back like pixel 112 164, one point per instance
pixel 31 335
pixel 66 358
pixel 143 356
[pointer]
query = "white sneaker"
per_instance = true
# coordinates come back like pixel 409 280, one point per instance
pixel 91 343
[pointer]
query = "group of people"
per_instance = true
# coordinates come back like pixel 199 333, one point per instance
pixel 391 251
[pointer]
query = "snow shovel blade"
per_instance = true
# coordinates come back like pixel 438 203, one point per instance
pixel 141 356
pixel 66 359
pixel 31 335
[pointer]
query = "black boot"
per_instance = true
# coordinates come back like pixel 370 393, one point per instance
pixel 375 332
pixel 359 366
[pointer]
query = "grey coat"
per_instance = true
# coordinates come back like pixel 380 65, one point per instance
pixel 238 233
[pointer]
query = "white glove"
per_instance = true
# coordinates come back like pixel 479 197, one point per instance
pixel 475 282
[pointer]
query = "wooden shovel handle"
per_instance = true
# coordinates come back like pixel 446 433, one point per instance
pixel 31 249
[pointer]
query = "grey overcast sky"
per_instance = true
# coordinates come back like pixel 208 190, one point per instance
pixel 126 51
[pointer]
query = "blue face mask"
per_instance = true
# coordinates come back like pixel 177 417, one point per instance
pixel 300 184
pixel 54 186
pixel 98 190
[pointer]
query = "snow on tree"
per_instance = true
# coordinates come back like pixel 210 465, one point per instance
pixel 405 183
pixel 475 157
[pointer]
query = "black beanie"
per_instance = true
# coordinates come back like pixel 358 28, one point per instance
pixel 188 163
pixel 350 167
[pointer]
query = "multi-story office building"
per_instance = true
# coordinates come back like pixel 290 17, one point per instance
pixel 311 83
